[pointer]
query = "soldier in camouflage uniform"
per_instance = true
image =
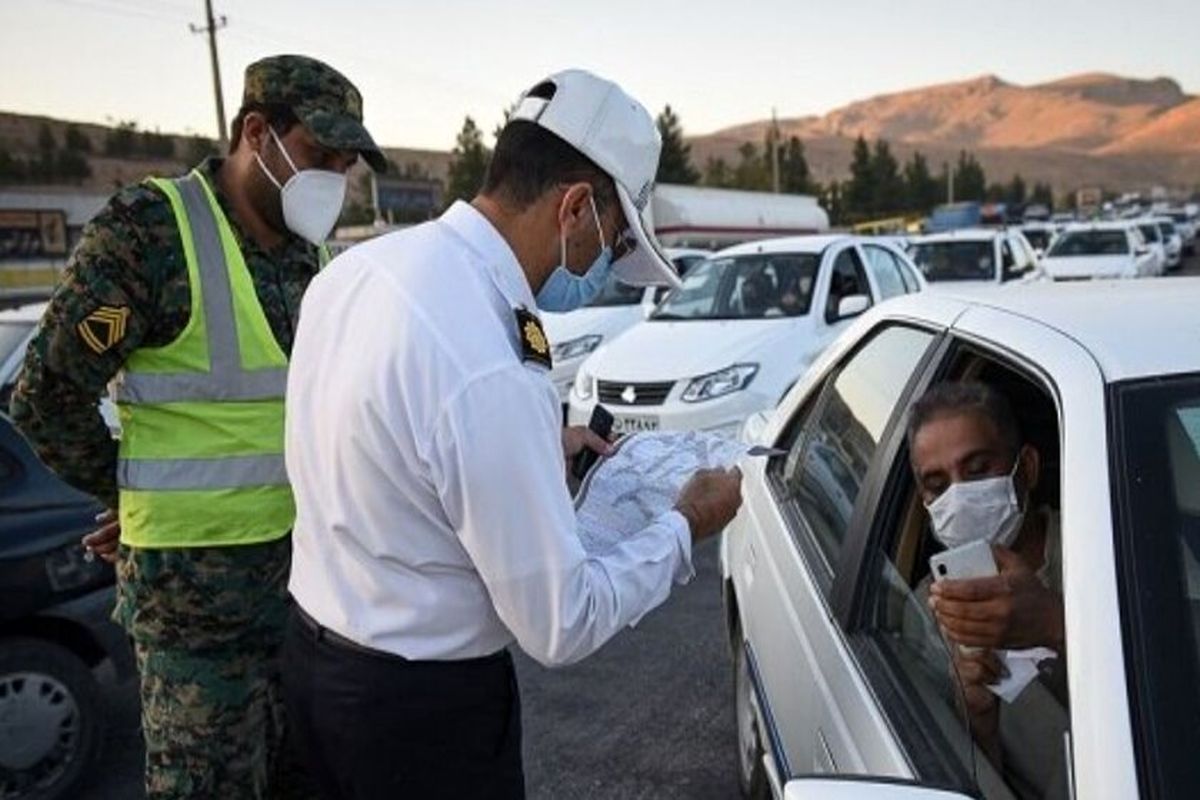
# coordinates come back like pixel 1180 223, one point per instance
pixel 206 622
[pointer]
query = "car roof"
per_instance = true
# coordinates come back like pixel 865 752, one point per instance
pixel 1163 339
pixel 1100 225
pixel 815 243
pixel 30 312
pixel 960 235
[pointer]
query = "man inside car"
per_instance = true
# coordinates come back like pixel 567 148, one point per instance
pixel 977 476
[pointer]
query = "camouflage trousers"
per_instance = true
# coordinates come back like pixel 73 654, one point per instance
pixel 207 626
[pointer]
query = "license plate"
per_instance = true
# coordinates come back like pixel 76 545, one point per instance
pixel 634 424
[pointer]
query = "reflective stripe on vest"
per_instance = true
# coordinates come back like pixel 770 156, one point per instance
pixel 226 380
pixel 201 453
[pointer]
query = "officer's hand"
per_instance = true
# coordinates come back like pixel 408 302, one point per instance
pixel 104 540
pixel 578 437
pixel 709 500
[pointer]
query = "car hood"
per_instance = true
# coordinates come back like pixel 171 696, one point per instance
pixel 1073 266
pixel 607 321
pixel 668 350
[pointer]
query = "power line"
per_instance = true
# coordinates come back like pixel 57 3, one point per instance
pixel 212 25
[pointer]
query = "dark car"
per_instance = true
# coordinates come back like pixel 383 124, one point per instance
pixel 54 629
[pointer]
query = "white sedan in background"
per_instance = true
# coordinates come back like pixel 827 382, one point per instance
pixel 575 334
pixel 840 669
pixel 1088 250
pixel 1172 241
pixel 742 328
pixel 976 256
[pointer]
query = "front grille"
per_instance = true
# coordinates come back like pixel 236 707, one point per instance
pixel 645 394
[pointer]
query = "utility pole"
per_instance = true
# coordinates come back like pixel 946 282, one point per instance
pixel 211 27
pixel 774 152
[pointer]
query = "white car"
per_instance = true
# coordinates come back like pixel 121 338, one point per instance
pixel 1186 225
pixel 1172 241
pixel 974 256
pixel 1155 241
pixel 839 667
pixel 744 325
pixel 17 328
pixel 575 334
pixel 1089 250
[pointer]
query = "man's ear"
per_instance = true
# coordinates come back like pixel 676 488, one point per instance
pixel 254 130
pixel 574 208
pixel 1031 466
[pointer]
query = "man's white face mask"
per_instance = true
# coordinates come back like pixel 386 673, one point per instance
pixel 312 198
pixel 985 509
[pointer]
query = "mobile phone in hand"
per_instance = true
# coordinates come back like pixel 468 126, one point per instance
pixel 601 424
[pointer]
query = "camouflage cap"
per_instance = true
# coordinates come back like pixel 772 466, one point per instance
pixel 322 98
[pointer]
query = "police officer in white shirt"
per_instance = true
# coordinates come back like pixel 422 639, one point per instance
pixel 424 444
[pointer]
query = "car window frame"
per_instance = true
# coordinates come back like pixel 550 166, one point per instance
pixel 854 602
pixel 826 574
pixel 887 260
pixel 1141 675
pixel 860 268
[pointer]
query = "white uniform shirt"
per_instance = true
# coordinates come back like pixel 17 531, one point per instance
pixel 433 519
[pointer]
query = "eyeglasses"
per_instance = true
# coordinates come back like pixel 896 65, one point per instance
pixel 626 242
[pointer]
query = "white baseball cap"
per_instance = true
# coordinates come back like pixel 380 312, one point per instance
pixel 597 118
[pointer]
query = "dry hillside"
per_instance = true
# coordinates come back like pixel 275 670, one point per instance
pixel 1088 129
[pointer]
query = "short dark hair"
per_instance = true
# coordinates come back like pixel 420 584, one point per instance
pixel 281 118
pixel 952 398
pixel 529 160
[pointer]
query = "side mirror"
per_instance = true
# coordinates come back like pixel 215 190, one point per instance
pixel 852 306
pixel 862 787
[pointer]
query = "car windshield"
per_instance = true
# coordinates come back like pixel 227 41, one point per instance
pixel 12 336
pixel 1158 513
pixel 1168 228
pixel 1091 243
pixel 616 293
pixel 956 260
pixel 744 287
pixel 1150 231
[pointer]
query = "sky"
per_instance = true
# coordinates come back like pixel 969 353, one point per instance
pixel 422 65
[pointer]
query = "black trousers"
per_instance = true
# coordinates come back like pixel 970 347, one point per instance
pixel 374 725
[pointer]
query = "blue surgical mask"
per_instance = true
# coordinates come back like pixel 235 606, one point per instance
pixel 566 291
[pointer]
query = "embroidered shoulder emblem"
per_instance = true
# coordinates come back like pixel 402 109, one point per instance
pixel 103 328
pixel 534 345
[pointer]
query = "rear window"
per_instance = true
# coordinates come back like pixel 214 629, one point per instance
pixel 955 261
pixel 1091 243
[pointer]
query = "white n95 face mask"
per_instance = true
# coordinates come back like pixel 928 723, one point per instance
pixel 985 509
pixel 312 198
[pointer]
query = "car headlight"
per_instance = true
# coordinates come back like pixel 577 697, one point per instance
pixel 574 348
pixel 583 385
pixel 717 384
pixel 68 568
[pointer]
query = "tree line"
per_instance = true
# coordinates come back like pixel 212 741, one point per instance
pixel 878 186
pixel 69 161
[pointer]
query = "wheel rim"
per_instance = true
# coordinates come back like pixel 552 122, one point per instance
pixel 39 731
pixel 747 726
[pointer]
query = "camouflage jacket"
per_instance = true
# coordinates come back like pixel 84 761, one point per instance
pixel 129 257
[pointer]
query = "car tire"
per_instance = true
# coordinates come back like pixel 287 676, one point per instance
pixel 752 774
pixel 49 720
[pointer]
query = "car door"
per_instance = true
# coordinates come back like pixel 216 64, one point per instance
pixel 796 521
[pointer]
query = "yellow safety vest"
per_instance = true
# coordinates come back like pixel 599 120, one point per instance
pixel 200 461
